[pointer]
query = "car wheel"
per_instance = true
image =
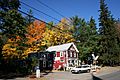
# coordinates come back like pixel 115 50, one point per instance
pixel 72 72
pixel 79 72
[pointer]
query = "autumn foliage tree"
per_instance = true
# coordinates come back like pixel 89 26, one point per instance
pixel 58 34
pixel 34 36
pixel 12 49
pixel 12 25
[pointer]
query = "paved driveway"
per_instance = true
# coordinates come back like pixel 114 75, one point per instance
pixel 67 76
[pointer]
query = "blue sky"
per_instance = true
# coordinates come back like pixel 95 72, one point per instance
pixel 69 8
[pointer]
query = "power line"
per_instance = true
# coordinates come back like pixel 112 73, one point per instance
pixel 31 16
pixel 39 19
pixel 26 9
pixel 39 11
pixel 42 12
pixel 52 9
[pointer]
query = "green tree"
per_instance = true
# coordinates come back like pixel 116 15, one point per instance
pixel 86 36
pixel 93 37
pixel 29 18
pixel 109 49
pixel 6 5
pixel 88 39
pixel 79 30
pixel 75 22
pixel 12 24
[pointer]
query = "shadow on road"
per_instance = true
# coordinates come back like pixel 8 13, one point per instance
pixel 95 78
pixel 45 73
pixel 10 76
pixel 6 76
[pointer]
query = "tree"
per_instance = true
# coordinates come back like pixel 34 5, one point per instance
pixel 75 22
pixel 109 50
pixel 86 36
pixel 58 34
pixel 29 18
pixel 63 30
pixel 12 24
pixel 6 5
pixel 34 36
pixel 117 26
pixel 13 49
pixel 93 37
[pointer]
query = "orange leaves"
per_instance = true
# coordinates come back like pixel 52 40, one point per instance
pixel 35 31
pixel 34 36
pixel 38 36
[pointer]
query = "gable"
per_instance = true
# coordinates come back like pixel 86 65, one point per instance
pixel 72 48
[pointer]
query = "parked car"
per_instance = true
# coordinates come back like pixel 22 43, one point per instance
pixel 82 68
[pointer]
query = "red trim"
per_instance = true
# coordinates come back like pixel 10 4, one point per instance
pixel 58 54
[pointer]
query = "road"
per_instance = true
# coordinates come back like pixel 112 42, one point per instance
pixel 111 76
pixel 103 74
pixel 67 76
pixel 83 76
pixel 70 76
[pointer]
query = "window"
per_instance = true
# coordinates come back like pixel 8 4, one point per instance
pixel 58 54
pixel 49 63
pixel 68 61
pixel 61 54
pixel 74 54
pixel 70 54
pixel 54 55
pixel 43 55
pixel 73 62
pixel 44 63
pixel 61 60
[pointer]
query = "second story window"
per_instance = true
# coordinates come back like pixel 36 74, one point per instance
pixel 61 54
pixel 74 54
pixel 70 53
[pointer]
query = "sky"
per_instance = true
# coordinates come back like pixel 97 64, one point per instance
pixel 69 8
